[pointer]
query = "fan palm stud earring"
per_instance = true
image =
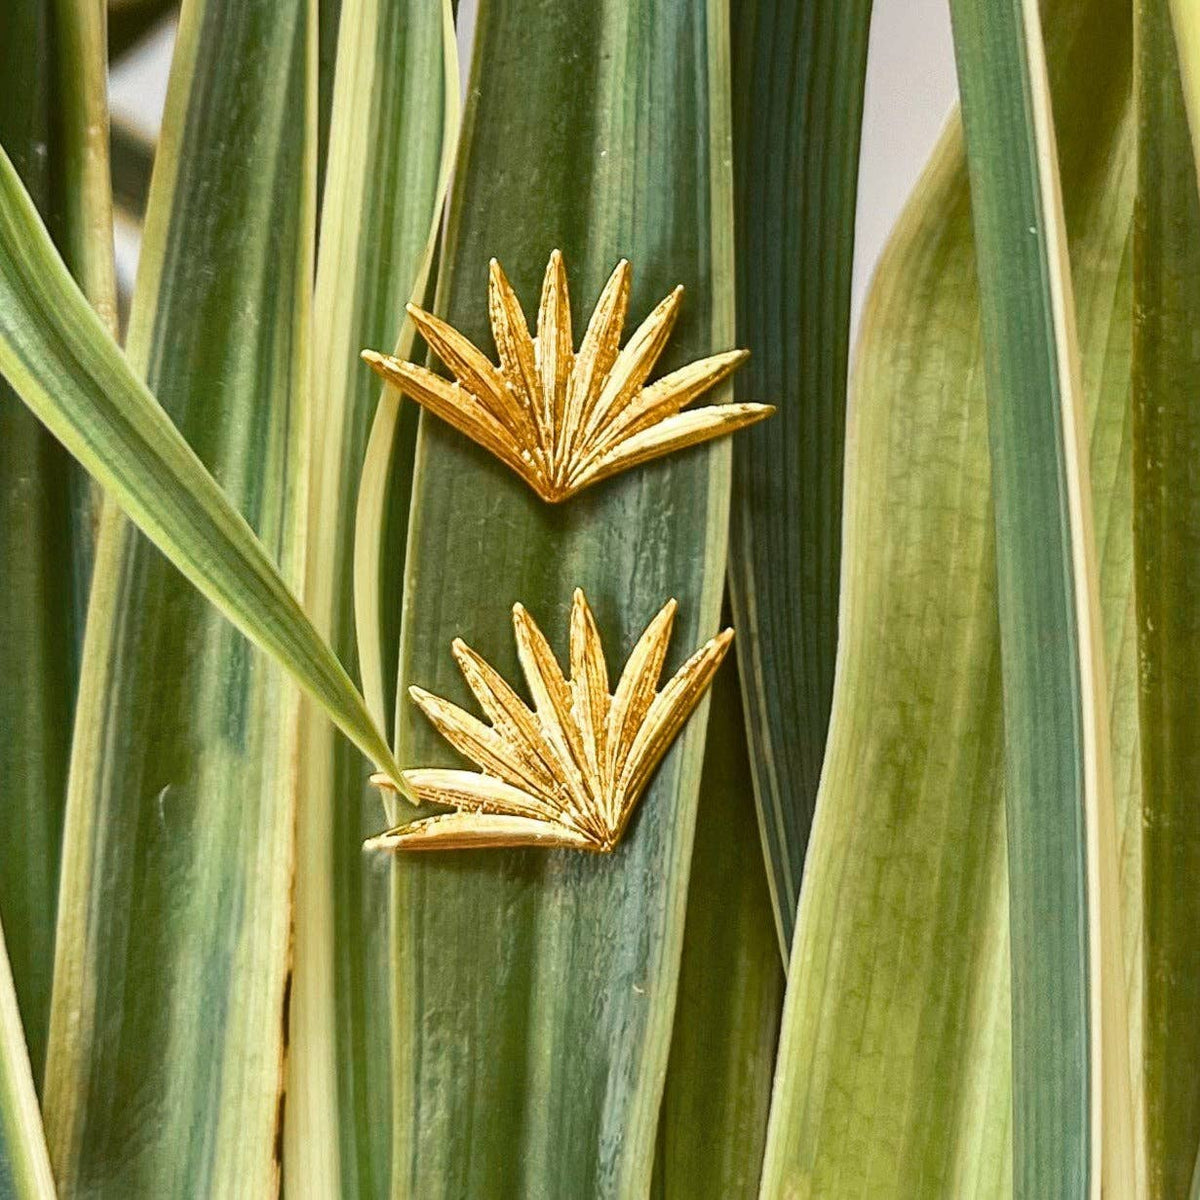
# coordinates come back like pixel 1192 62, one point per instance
pixel 564 419
pixel 569 772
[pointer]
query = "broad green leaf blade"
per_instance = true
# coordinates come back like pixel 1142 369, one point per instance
pixel 713 1123
pixel 798 73
pixel 535 989
pixel 61 361
pixel 893 1076
pixel 1073 1128
pixel 52 63
pixel 168 1027
pixel 24 1163
pixel 1166 425
pixel 395 107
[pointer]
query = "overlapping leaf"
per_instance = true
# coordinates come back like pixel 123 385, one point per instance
pixel 168 1025
pixel 893 1075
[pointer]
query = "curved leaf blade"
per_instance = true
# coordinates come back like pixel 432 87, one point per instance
pixel 59 358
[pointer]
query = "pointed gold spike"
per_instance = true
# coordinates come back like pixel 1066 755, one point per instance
pixel 633 366
pixel 481 831
pixel 599 751
pixel 473 792
pixel 470 366
pixel 675 433
pixel 589 690
pixel 555 353
pixel 666 397
pixel 450 401
pixel 552 700
pixel 504 758
pixel 597 353
pixel 665 717
pixel 561 420
pixel 518 363
pixel 635 692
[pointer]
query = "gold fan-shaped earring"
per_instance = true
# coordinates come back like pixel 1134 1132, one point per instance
pixel 564 419
pixel 569 772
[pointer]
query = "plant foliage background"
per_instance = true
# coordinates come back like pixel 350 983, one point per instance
pixel 909 910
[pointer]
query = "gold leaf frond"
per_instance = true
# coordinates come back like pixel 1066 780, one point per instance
pixel 568 772
pixel 564 419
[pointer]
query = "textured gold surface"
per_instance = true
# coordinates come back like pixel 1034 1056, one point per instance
pixel 569 772
pixel 564 420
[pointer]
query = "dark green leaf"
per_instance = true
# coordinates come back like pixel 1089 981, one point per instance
pixel 713 1124
pixel 534 989
pixel 798 74
pixel 1166 435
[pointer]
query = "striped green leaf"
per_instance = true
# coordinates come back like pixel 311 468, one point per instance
pixel 24 1163
pixel 535 989
pixel 53 124
pixel 395 110
pixel 893 1076
pixel 798 73
pixel 1166 425
pixel 168 1025
pixel 1072 1109
pixel 59 358
pixel 713 1122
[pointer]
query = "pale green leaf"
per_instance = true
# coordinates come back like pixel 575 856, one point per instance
pixel 395 111
pixel 24 1163
pixel 893 1077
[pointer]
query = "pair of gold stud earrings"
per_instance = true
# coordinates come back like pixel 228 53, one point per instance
pixel 569 772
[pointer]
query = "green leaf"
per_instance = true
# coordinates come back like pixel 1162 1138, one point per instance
pixel 168 1026
pixel 52 122
pixel 535 989
pixel 893 1077
pixel 1073 1131
pixel 24 1163
pixel 395 112
pixel 1166 426
pixel 713 1123
pixel 798 75
pixel 61 361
